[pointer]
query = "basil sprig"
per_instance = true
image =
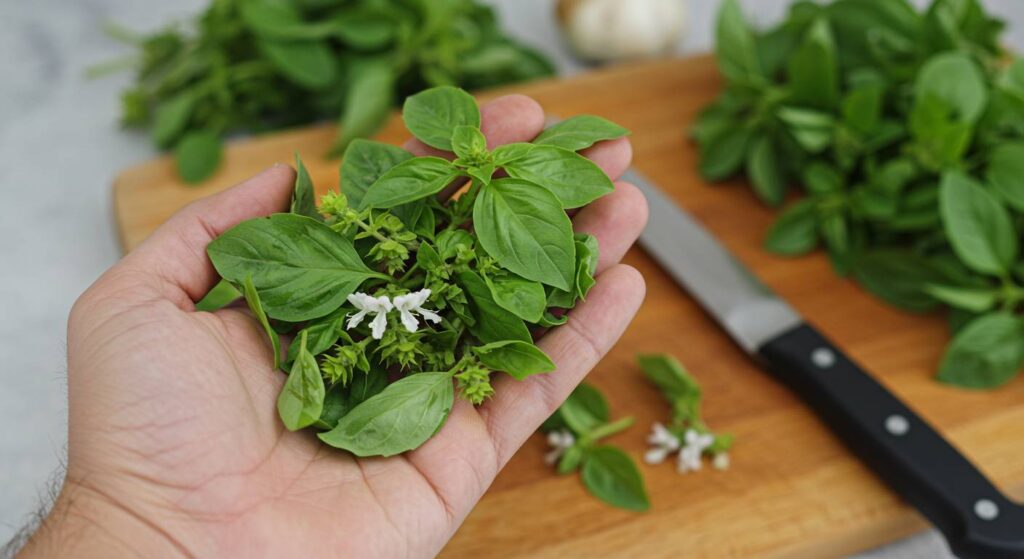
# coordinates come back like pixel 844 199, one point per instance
pixel 607 472
pixel 253 65
pixel 384 280
pixel 905 130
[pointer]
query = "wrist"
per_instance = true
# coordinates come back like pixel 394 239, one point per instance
pixel 88 522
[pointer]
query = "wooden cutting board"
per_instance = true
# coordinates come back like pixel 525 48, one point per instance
pixel 793 489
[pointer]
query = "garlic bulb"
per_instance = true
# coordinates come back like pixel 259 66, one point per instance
pixel 609 30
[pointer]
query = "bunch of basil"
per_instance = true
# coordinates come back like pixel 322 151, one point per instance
pixel 492 263
pixel 256 65
pixel 906 132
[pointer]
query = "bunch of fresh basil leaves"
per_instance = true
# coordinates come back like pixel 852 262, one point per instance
pixel 257 65
pixel 497 260
pixel 906 131
pixel 608 473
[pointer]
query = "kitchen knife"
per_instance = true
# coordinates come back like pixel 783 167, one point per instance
pixel 915 461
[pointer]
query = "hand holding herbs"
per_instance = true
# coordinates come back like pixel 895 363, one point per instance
pixel 382 279
pixel 170 405
pixel 257 65
pixel 906 132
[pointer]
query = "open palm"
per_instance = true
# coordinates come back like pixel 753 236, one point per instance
pixel 174 437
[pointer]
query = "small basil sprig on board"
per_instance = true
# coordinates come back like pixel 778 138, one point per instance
pixel 254 65
pixel 685 435
pixel 384 281
pixel 905 130
pixel 574 432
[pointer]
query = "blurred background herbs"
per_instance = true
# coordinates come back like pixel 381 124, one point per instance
pixel 905 131
pixel 259 65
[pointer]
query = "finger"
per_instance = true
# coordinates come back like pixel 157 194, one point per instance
pixel 519 407
pixel 174 257
pixel 612 156
pixel 616 220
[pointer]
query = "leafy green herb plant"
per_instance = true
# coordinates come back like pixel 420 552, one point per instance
pixel 398 301
pixel 905 130
pixel 257 65
pixel 686 435
pixel 574 433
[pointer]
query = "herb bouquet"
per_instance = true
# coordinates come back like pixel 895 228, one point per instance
pixel 906 131
pixel 391 292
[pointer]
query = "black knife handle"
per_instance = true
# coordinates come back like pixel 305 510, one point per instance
pixel 907 453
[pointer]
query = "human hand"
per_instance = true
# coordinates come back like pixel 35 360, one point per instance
pixel 174 444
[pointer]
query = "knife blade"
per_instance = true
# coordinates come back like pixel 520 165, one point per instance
pixel 907 453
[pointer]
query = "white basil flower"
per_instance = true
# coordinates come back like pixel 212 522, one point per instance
pixel 721 461
pixel 689 459
pixel 368 304
pixel 411 304
pixel 560 441
pixel 664 443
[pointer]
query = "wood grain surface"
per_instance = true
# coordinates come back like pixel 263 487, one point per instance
pixel 793 489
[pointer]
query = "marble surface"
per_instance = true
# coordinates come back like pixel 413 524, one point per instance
pixel 60 146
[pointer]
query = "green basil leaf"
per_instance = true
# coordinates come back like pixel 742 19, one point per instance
pixel 986 353
pixel 304 195
pixel 584 410
pixel 409 181
pixel 580 132
pixel 493 323
pixel 967 298
pixel 320 334
pixel 171 118
pixel 572 178
pixel 517 358
pixel 198 155
pixel 814 70
pixel 735 45
pixel 468 141
pixel 364 162
pixel 306 63
pixel 821 178
pixel 433 115
pixel 612 476
pixel 220 296
pixel 364 27
pixel 978 226
pixel 449 241
pixel 957 80
pixel 724 154
pixel 400 418
pixel 509 153
pixel 899 278
pixel 252 298
pixel 521 297
pixel 368 100
pixel 301 267
pixel 570 461
pixel 812 130
pixel 587 255
pixel 862 108
pixel 941 137
pixel 675 383
pixel 795 232
pixel 549 320
pixel 1005 173
pixel 766 173
pixel 526 230
pixel 302 397
pixel 342 399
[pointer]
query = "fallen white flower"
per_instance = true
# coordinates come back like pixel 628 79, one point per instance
pixel 560 441
pixel 721 461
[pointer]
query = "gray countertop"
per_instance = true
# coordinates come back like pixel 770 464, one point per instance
pixel 59 149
